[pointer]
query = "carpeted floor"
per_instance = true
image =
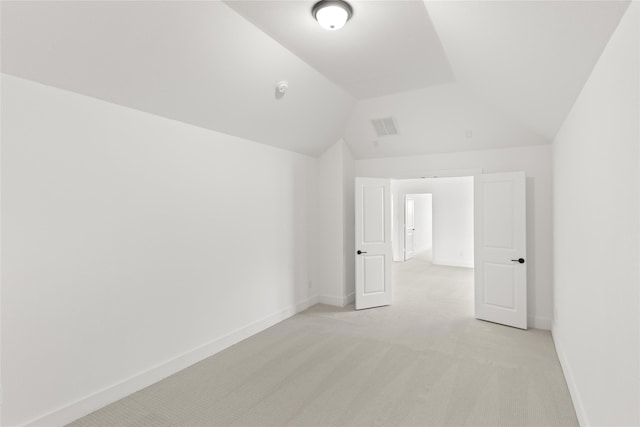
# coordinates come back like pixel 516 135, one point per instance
pixel 423 361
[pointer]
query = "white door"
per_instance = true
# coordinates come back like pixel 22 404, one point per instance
pixel 500 248
pixel 373 242
pixel 409 227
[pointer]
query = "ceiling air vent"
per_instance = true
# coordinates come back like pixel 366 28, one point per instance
pixel 385 127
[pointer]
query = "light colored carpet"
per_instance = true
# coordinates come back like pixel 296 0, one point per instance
pixel 424 361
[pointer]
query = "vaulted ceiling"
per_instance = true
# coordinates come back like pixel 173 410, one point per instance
pixel 455 75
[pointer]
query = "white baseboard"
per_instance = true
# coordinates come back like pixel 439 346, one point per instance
pixel 539 322
pixel 451 263
pixel 583 420
pixel 330 300
pixel 337 301
pixel 310 302
pixel 349 299
pixel 110 394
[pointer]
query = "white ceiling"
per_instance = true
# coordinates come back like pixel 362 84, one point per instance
pixel 456 75
pixel 387 46
pixel 528 58
pixel 437 119
pixel 196 62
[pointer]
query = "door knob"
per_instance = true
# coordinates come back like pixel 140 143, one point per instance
pixel 520 260
pixel 360 252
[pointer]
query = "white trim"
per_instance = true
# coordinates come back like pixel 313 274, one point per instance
pixel 330 300
pixel 349 299
pixel 338 301
pixel 583 420
pixel 110 394
pixel 310 302
pixel 539 322
pixel 442 173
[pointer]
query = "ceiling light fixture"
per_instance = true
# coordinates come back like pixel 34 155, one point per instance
pixel 332 14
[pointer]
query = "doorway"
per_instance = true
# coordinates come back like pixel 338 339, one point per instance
pixel 434 244
pixel 441 221
pixel 494 202
pixel 418 224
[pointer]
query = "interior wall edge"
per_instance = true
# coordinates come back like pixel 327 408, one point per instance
pixel 540 322
pixel 570 379
pixel 350 299
pixel 337 301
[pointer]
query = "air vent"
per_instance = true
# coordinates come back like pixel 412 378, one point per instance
pixel 385 127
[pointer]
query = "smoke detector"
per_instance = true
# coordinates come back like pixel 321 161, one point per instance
pixel 281 89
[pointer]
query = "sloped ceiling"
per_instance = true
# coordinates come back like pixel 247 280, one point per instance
pixel 528 58
pixel 502 73
pixel 438 119
pixel 196 62
pixel 387 47
pixel 456 75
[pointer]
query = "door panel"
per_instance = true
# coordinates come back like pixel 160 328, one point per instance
pixel 373 274
pixel 373 221
pixel 498 217
pixel 500 242
pixel 500 294
pixel 373 242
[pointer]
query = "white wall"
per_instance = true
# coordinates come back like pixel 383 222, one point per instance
pixel 330 234
pixel 134 245
pixel 349 224
pixel 597 226
pixel 336 233
pixel 452 217
pixel 536 162
pixel 423 221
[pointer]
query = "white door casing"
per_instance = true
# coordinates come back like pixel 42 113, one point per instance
pixel 373 242
pixel 500 248
pixel 409 227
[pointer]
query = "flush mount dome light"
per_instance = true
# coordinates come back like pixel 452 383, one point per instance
pixel 332 14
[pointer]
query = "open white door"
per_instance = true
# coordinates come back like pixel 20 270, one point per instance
pixel 409 227
pixel 373 242
pixel 500 248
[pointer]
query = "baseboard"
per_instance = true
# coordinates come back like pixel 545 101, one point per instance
pixel 107 395
pixel 539 322
pixel 451 263
pixel 310 302
pixel 330 300
pixel 349 299
pixel 583 420
pixel 338 301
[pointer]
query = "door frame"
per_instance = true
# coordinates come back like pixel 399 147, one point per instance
pixel 404 224
pixel 466 173
pixel 405 234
